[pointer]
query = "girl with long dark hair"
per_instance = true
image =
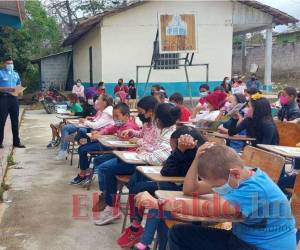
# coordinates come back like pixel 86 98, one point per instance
pixel 258 122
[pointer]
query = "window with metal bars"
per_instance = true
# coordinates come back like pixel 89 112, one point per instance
pixel 165 61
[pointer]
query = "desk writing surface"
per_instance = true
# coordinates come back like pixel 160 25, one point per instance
pixel 153 173
pixel 233 138
pixel 178 195
pixel 292 152
pixel 129 157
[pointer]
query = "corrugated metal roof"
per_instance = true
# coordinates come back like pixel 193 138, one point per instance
pixel 279 17
pixel 51 55
pixel 86 25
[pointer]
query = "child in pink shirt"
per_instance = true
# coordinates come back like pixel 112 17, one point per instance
pixel 121 115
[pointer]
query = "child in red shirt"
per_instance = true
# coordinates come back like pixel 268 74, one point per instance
pixel 101 88
pixel 121 116
pixel 177 99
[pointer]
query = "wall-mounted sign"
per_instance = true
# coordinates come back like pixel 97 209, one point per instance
pixel 177 33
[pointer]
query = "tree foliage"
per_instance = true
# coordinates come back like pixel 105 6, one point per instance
pixel 70 12
pixel 39 36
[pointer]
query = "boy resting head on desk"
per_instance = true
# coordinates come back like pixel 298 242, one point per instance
pixel 268 222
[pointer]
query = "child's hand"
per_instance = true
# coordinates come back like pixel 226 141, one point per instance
pixel 133 140
pixel 126 133
pixel 95 135
pixel 146 200
pixel 202 148
pixel 186 142
pixel 237 116
pixel 198 108
pixel 83 141
pixel 82 120
pixel 298 144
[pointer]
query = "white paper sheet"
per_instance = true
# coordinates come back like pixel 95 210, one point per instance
pixel 151 170
pixel 131 156
pixel 119 143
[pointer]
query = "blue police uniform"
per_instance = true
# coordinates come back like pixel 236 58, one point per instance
pixel 9 79
pixel 9 104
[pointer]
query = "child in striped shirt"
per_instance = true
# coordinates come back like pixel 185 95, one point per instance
pixel 165 118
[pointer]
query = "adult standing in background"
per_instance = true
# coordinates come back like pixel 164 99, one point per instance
pixel 9 79
pixel 121 91
pixel 78 89
pixel 253 83
pixel 226 84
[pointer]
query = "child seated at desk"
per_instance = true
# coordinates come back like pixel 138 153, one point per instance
pixel 258 122
pixel 210 118
pixel 289 108
pixel 145 140
pixel 165 119
pixel 103 118
pixel 177 99
pixel 249 191
pixel 232 101
pixel 55 128
pixel 121 116
pixel 177 164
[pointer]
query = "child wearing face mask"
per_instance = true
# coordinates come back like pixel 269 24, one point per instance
pixel 78 89
pixel 233 100
pixel 74 108
pixel 145 140
pixel 103 118
pixel 177 164
pixel 226 85
pixel 165 118
pixel 248 191
pixel 289 108
pixel 258 122
pixel 241 190
pixel 122 122
pixel 177 99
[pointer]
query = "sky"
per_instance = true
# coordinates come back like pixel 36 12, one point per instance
pixel 291 7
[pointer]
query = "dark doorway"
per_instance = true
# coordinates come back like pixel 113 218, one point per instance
pixel 91 65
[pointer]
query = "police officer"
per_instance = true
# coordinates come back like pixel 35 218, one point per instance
pixel 9 104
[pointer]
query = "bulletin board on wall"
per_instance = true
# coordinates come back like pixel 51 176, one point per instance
pixel 177 33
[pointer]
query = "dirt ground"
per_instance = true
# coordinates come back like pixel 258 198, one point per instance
pixel 39 213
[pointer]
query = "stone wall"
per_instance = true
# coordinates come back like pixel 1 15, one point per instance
pixel 286 61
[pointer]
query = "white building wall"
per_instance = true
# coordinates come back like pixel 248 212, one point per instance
pixel 81 56
pixel 127 40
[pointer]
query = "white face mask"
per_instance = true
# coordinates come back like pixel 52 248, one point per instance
pixel 78 84
pixel 90 101
pixel 10 67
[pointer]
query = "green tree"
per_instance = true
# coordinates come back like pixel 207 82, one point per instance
pixel 39 36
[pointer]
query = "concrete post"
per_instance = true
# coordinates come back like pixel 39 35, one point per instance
pixel 268 59
pixel 244 59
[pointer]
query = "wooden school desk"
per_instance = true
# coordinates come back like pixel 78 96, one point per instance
pixel 153 174
pixel 232 138
pixel 129 157
pixel 178 195
pixel 115 142
pixel 290 152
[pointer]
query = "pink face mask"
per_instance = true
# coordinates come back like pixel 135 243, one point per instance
pixel 283 100
pixel 247 113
